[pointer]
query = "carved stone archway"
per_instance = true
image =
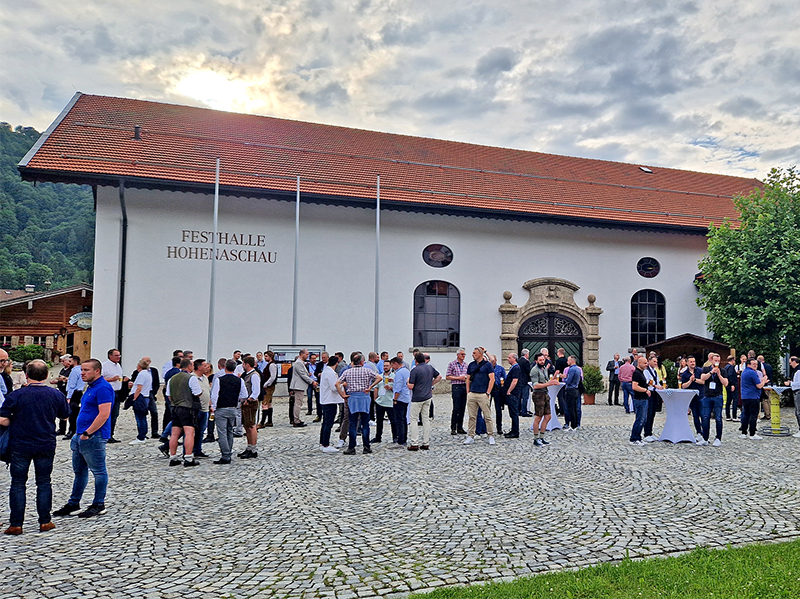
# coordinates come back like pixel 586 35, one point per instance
pixel 549 294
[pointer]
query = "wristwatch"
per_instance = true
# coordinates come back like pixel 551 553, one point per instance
pixel 87 433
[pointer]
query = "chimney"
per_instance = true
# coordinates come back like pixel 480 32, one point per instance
pixel 30 288
pixel 137 132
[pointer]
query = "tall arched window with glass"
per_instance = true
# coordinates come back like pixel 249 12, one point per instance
pixel 437 315
pixel 648 318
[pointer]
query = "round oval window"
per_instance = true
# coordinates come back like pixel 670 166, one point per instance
pixel 437 255
pixel 648 267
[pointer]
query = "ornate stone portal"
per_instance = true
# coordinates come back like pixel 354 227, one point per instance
pixel 549 294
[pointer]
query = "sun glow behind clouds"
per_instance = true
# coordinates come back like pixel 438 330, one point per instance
pixel 218 92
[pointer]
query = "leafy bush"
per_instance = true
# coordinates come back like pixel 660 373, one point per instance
pixel 593 380
pixel 672 374
pixel 25 353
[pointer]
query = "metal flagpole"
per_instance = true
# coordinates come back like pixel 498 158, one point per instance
pixel 377 264
pixel 212 289
pixel 296 261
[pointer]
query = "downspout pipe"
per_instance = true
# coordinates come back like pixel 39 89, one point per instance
pixel 123 261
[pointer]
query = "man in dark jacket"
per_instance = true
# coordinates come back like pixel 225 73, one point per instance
pixel 30 413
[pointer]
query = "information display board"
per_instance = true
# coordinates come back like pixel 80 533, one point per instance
pixel 286 354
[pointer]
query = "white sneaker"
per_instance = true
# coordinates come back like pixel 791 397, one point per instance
pixel 637 443
pixel 743 436
pixel 469 441
pixel 137 442
pixel 796 435
pixel 329 449
pixel 716 443
pixel 702 442
pixel 491 441
pixel 340 444
pixel 649 439
pixel 756 437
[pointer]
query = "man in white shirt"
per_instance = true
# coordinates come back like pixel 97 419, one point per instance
pixel 653 383
pixel 329 400
pixel 112 372
pixel 226 393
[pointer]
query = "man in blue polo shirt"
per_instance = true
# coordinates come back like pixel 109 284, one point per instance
pixel 480 380
pixel 89 443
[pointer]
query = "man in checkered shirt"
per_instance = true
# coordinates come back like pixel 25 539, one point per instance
pixel 355 385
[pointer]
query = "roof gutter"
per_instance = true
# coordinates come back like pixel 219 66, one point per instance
pixel 123 260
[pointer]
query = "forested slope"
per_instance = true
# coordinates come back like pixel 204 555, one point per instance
pixel 47 231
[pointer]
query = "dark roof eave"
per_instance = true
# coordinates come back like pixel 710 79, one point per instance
pixel 29 174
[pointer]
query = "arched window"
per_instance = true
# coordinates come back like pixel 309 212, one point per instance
pixel 437 315
pixel 648 318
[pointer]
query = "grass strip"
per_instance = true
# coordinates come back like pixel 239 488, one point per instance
pixel 750 572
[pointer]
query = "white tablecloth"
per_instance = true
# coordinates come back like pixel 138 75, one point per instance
pixel 553 393
pixel 676 404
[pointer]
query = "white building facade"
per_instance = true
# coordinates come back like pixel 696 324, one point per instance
pixel 168 270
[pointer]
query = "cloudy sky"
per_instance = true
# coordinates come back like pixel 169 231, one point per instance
pixel 709 85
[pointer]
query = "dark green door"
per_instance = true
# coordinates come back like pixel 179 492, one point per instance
pixel 551 330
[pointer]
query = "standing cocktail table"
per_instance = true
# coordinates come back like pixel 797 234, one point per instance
pixel 676 404
pixel 552 391
pixel 774 429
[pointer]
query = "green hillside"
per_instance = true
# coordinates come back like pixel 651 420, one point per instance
pixel 47 231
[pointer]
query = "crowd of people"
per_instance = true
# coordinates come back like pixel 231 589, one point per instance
pixel 203 405
pixel 732 387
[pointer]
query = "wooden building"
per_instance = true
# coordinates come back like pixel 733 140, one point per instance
pixel 58 320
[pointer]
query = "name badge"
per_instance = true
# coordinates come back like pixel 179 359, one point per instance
pixel 712 386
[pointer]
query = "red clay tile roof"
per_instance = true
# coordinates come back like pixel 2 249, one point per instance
pixel 94 139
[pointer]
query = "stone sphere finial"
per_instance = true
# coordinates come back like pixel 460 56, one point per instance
pixel 507 295
pixel 592 299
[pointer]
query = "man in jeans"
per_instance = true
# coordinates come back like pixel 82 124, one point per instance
pixel 750 386
pixel 329 400
pixel 421 382
pixel 714 380
pixel 625 377
pixel 456 373
pixel 89 443
pixel 31 413
pixel 226 392
pixel 641 394
pixel 402 398
pixel 572 393
pixel 355 386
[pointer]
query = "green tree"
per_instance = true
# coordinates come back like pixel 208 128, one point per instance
pixel 750 288
pixel 47 231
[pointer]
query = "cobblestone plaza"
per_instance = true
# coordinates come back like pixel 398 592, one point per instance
pixel 299 523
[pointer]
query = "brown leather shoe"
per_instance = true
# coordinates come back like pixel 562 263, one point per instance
pixel 425 447
pixel 46 526
pixel 13 530
pixel 413 448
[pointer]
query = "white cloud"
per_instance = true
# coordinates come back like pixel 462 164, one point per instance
pixel 711 86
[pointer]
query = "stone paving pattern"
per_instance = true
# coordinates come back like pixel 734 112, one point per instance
pixel 299 523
